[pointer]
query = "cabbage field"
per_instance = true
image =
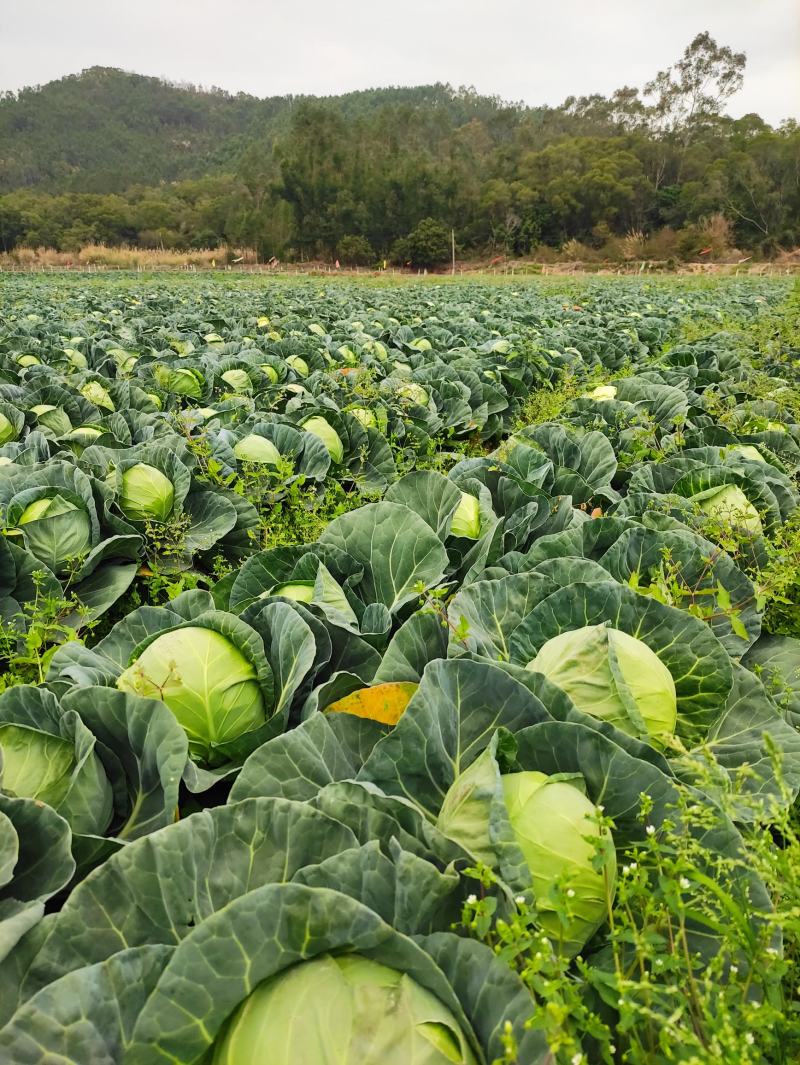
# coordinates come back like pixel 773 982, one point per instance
pixel 399 674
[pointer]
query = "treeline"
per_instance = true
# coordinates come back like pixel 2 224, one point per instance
pixel 660 172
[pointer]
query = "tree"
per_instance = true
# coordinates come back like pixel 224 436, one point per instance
pixel 355 250
pixel 690 93
pixel 428 244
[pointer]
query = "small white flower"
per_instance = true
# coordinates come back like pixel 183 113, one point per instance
pixel 520 900
pixel 749 1038
pixel 576 1059
pixel 659 962
pixel 570 894
pixel 734 969
pixel 600 807
pixel 472 899
pixel 684 883
pixel 633 867
pixel 651 830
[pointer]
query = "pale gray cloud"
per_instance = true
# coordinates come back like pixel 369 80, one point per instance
pixel 539 51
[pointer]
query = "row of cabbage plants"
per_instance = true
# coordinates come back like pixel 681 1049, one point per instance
pixel 243 825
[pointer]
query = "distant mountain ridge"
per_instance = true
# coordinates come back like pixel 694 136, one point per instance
pixel 105 130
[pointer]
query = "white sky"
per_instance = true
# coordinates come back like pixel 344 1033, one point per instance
pixel 539 51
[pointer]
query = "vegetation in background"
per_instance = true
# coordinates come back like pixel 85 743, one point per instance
pixel 112 158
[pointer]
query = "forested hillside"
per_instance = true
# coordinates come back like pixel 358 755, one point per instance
pixel 118 158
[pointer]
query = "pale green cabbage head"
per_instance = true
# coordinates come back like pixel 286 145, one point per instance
pixel 56 530
pixel 746 451
pixel 300 366
pixel 354 1012
pixel 551 820
pixel 255 448
pixel 602 392
pixel 205 680
pixel 35 765
pixel 95 393
pixel 328 435
pixel 413 392
pixel 467 517
pixel 365 416
pixel 7 431
pixel 300 591
pixel 269 371
pixel 146 494
pixel 728 504
pixel 612 676
pixel 238 380
pixel 54 419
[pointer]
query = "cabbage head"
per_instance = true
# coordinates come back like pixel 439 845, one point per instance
pixel 54 419
pixel 355 1011
pixel 7 430
pixel 551 819
pixel 612 676
pixel 205 680
pixel 238 380
pixel 413 392
pixel 181 380
pixel 35 765
pixel 269 371
pixel 255 448
pixel 467 517
pixel 365 416
pixel 328 435
pixel 96 394
pixel 602 392
pixel 729 504
pixel 299 591
pixel 146 494
pixel 300 366
pixel 55 531
pixel 28 360
pixel 746 451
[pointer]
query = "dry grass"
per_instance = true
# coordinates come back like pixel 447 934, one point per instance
pixel 126 257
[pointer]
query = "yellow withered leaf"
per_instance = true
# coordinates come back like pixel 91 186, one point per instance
pixel 383 702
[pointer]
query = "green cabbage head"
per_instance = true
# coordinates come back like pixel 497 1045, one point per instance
pixel 146 494
pixel 328 435
pixel 7 430
pixel 748 452
pixel 729 504
pixel 56 530
pixel 551 819
pixel 467 517
pixel 612 676
pixel 238 380
pixel 35 765
pixel 355 1011
pixel 413 392
pixel 300 591
pixel 300 366
pixel 602 392
pixel 205 680
pixel 255 448
pixel 95 393
pixel 54 419
pixel 365 416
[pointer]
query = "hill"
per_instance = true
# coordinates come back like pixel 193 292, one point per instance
pixel 105 130
pixel 115 158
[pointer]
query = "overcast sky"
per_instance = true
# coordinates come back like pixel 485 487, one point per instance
pixel 539 51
